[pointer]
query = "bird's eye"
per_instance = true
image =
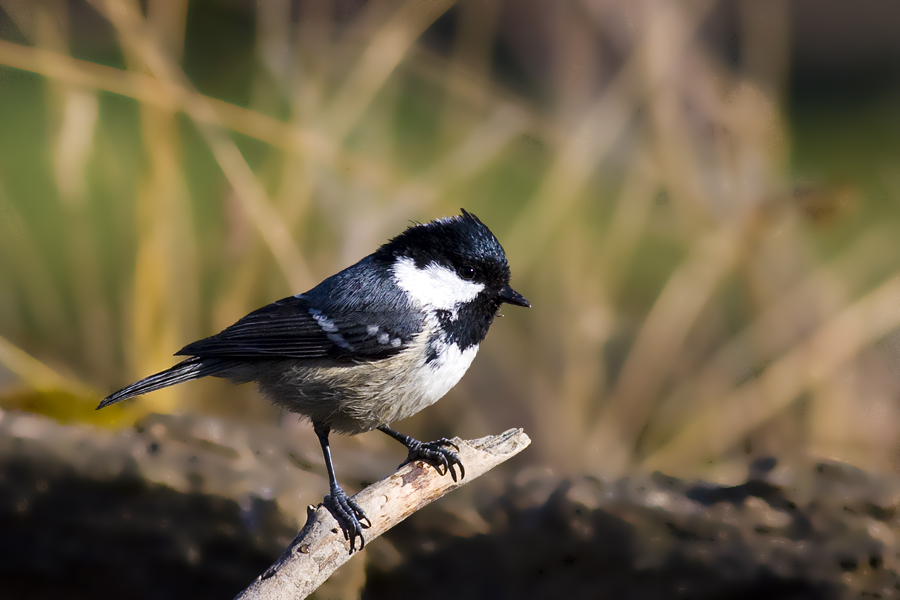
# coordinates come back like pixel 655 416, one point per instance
pixel 467 272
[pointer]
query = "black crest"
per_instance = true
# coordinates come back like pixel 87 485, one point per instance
pixel 454 242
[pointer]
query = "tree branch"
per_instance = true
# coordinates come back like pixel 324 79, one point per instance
pixel 320 548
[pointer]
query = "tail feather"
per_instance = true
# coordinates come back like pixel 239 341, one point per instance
pixel 192 368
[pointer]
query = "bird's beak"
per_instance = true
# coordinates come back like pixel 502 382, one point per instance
pixel 511 296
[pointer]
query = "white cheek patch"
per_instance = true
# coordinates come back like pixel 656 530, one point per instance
pixel 434 286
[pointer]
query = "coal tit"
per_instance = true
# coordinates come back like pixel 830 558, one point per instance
pixel 371 345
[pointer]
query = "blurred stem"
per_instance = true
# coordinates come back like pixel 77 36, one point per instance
pixel 30 274
pixel 660 341
pixel 270 86
pixel 72 114
pixel 471 155
pixel 765 45
pixel 592 138
pixel 560 189
pixel 134 36
pixel 167 19
pixel 22 13
pixel 818 296
pixel 807 365
pixel 665 52
pixel 388 47
pixel 166 278
pixel 584 375
pixel 295 138
pixel 471 56
pixel 35 373
pixel 313 49
pixel 434 68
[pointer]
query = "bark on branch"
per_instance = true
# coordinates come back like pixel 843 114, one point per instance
pixel 320 548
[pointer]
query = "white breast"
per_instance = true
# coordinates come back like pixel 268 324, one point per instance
pixel 441 374
pixel 435 287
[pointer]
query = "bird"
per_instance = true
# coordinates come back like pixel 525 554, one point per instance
pixel 371 345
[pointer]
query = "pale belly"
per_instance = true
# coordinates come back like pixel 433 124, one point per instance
pixel 362 397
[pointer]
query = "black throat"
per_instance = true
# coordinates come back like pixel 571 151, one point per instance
pixel 470 325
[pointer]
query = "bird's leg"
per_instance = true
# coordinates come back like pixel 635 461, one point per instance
pixel 436 453
pixel 347 512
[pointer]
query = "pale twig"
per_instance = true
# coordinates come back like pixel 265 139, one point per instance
pixel 320 548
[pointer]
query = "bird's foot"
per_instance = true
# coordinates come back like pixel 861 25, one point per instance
pixel 437 454
pixel 349 516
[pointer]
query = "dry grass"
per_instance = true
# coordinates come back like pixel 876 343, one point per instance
pixel 690 308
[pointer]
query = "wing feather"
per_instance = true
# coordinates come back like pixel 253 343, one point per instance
pixel 292 328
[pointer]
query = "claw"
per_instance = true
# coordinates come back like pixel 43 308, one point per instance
pixel 349 516
pixel 438 455
pixel 434 453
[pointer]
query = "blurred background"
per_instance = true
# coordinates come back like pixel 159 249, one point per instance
pixel 701 199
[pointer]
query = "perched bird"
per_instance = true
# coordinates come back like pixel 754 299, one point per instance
pixel 371 345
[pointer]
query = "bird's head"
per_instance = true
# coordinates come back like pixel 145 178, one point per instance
pixel 449 262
